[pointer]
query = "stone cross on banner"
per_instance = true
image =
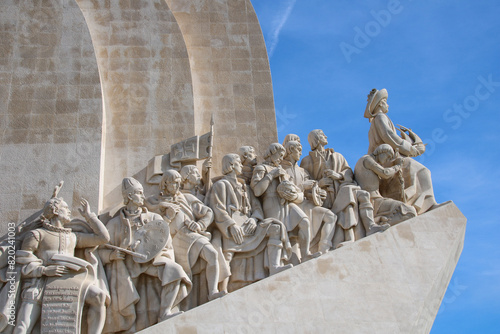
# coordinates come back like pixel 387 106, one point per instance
pixel 194 148
pixel 181 153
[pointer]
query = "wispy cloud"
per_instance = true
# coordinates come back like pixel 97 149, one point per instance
pixel 279 23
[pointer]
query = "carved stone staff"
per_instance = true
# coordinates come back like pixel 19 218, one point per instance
pixel 208 182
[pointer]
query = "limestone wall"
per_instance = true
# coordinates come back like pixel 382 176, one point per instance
pixel 50 107
pixel 91 90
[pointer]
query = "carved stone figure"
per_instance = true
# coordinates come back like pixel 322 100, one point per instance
pixel 322 219
pixel 142 293
pixel 249 242
pixel 345 197
pixel 369 171
pixel 265 181
pixel 192 182
pixel 249 161
pixel 189 219
pixel 55 282
pixel 418 191
pixel 291 137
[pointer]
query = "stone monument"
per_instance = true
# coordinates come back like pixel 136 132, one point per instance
pixel 124 100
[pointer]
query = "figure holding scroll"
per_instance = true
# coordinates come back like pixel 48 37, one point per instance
pixel 47 254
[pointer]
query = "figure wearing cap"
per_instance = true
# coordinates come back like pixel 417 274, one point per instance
pixel 418 191
pixel 38 260
pixel 142 294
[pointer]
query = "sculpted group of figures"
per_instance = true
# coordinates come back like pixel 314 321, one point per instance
pixel 196 241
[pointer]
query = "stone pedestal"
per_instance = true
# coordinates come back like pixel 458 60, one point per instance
pixel 390 282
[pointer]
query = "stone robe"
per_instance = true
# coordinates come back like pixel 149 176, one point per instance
pixel 265 187
pixel 369 173
pixel 188 244
pixel 75 240
pixel 418 190
pixel 300 177
pixel 247 260
pixel 135 288
pixel 343 192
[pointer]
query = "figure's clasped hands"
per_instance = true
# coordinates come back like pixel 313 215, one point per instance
pixel 236 233
pixel 333 175
pixel 169 210
pixel 193 226
pixel 290 195
pixel 277 172
pixel 250 226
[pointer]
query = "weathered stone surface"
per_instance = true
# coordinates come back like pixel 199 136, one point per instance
pixel 50 107
pixel 91 90
pixel 146 85
pixel 390 282
pixel 229 64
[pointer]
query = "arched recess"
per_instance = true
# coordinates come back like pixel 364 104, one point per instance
pixel 146 86
pixel 230 71
pixel 50 107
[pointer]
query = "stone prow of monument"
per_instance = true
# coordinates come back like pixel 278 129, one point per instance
pixel 389 282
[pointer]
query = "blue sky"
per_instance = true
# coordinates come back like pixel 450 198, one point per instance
pixel 440 62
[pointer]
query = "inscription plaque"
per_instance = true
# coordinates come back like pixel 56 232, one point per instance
pixel 63 302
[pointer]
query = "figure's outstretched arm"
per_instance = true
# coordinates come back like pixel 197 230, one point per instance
pixel 100 235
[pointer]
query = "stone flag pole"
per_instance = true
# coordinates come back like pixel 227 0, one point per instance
pixel 159 117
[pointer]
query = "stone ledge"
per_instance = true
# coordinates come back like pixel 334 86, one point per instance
pixel 390 282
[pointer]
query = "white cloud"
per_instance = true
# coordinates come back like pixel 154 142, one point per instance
pixel 280 21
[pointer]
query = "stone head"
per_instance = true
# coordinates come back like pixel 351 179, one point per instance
pixel 376 103
pixel 231 162
pixel 274 154
pixel 171 182
pixel 316 138
pixel 383 153
pixel 190 174
pixel 56 207
pixel 290 137
pixel 293 150
pixel 247 155
pixel 132 191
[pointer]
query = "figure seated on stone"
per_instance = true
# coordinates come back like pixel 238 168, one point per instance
pixel 189 220
pixel 322 219
pixel 142 292
pixel 370 170
pixel 344 197
pixel 265 181
pixel 47 260
pixel 253 246
pixel 418 191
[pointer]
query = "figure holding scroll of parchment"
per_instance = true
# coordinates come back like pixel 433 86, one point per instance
pixel 47 260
